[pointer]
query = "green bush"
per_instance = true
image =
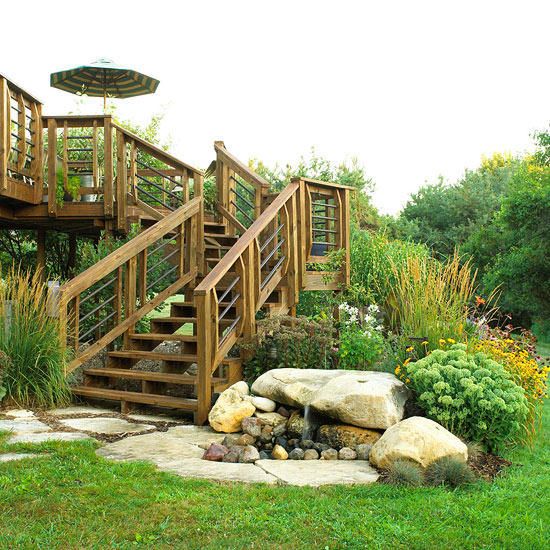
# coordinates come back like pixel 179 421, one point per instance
pixel 290 342
pixel 32 342
pixel 471 395
pixel 405 473
pixel 449 471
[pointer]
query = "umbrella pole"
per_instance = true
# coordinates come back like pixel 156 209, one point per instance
pixel 105 102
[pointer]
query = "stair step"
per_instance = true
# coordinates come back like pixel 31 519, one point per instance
pixel 154 356
pixel 150 376
pixel 136 397
pixel 158 337
pixel 183 320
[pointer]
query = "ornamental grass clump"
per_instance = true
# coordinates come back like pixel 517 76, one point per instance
pixel 32 343
pixel 471 395
pixel 404 473
pixel 450 472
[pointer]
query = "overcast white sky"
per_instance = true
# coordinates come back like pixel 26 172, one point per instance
pixel 414 89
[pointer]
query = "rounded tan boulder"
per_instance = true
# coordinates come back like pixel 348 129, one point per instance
pixel 418 439
pixel 229 411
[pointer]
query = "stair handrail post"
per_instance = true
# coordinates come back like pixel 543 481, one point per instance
pixel 198 185
pixel 108 196
pixel 121 180
pixel 4 132
pixel 205 356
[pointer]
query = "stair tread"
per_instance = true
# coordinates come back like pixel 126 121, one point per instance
pixel 136 397
pixel 153 355
pixel 151 376
pixel 183 320
pixel 164 337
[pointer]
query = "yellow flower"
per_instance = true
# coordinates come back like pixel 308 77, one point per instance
pixel 408 381
pixel 451 341
pixel 409 349
pixel 425 343
pixel 397 369
pixel 407 361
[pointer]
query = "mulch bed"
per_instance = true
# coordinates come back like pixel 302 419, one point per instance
pixel 488 466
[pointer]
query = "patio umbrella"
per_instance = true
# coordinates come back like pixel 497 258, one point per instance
pixel 103 78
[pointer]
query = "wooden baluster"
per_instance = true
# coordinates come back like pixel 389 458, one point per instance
pixel 65 157
pixel 143 277
pixel 63 319
pixel 95 167
pixel 122 179
pixel 21 157
pixel 5 125
pixel 205 347
pixel 108 167
pixel 76 314
pixel 52 167
pixel 198 181
pixel 292 276
pixel 130 296
pixel 119 296
pixel 180 243
pixel 133 170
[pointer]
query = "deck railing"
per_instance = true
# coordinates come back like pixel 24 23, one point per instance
pixel 20 143
pixel 272 251
pixel 107 300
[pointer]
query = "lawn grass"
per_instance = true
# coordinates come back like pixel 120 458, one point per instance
pixel 69 498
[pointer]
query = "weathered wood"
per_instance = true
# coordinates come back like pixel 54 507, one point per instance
pixel 52 167
pixel 108 167
pixel 4 133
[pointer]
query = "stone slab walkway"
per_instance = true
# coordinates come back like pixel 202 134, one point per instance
pixel 171 447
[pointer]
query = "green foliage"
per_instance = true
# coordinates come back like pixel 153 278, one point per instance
pixel 290 342
pixel 361 342
pixel 449 471
pixel 35 373
pixel 4 365
pixel 404 473
pixel 471 395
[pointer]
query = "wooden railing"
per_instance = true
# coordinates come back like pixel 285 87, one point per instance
pixel 107 300
pixel 273 251
pixel 20 143
pixel 241 193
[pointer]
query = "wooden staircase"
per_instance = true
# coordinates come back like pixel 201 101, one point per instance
pixel 216 270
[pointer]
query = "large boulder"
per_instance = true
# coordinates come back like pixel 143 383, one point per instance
pixel 361 398
pixel 366 399
pixel 341 435
pixel 230 409
pixel 417 439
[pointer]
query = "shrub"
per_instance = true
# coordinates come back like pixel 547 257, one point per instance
pixel 31 340
pixel 361 342
pixel 525 371
pixel 430 299
pixel 405 473
pixel 469 394
pixel 449 471
pixel 291 342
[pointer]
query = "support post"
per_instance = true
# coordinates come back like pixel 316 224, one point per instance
pixel 41 253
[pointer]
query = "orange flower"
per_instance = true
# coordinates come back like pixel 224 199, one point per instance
pixel 480 301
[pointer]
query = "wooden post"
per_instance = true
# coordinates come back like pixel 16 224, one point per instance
pixel 52 167
pixel 41 253
pixel 199 192
pixel 346 237
pixel 108 168
pixel 4 133
pixel 71 261
pixel 130 296
pixel 122 181
pixel 205 357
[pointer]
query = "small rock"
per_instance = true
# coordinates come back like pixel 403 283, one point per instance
pixel 252 426
pixel 265 455
pixel 363 451
pixel 268 446
pixel 283 412
pixel 295 425
pixel 279 453
pixel 270 418
pixel 330 454
pixel 311 454
pixel 263 403
pixel 230 440
pixel 192 370
pixel 320 447
pixel 246 439
pixel 296 454
pixel 232 456
pixel 345 453
pixel 249 455
pixel 294 443
pixel 265 436
pixel 215 452
pixel 307 444
pixel 282 442
pixel 279 429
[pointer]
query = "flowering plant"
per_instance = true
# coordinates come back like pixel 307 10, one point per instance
pixel 471 395
pixel 361 340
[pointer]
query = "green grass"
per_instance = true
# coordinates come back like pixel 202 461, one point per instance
pixel 69 498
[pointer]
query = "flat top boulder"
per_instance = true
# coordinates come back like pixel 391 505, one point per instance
pixel 361 398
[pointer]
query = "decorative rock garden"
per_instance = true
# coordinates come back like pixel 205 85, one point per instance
pixel 325 415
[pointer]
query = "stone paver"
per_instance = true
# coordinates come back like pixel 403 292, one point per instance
pixel 153 418
pixel 197 435
pixel 47 436
pixel 10 457
pixel 103 425
pixel 157 447
pixel 19 413
pixel 218 471
pixel 23 426
pixel 80 409
pixel 314 473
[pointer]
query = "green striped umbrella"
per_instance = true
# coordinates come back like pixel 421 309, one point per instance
pixel 103 78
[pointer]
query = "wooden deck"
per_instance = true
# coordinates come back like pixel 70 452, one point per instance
pixel 253 253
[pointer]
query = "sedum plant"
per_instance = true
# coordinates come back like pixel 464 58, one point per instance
pixel 471 395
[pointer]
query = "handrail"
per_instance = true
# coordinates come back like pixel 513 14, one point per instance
pixel 123 277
